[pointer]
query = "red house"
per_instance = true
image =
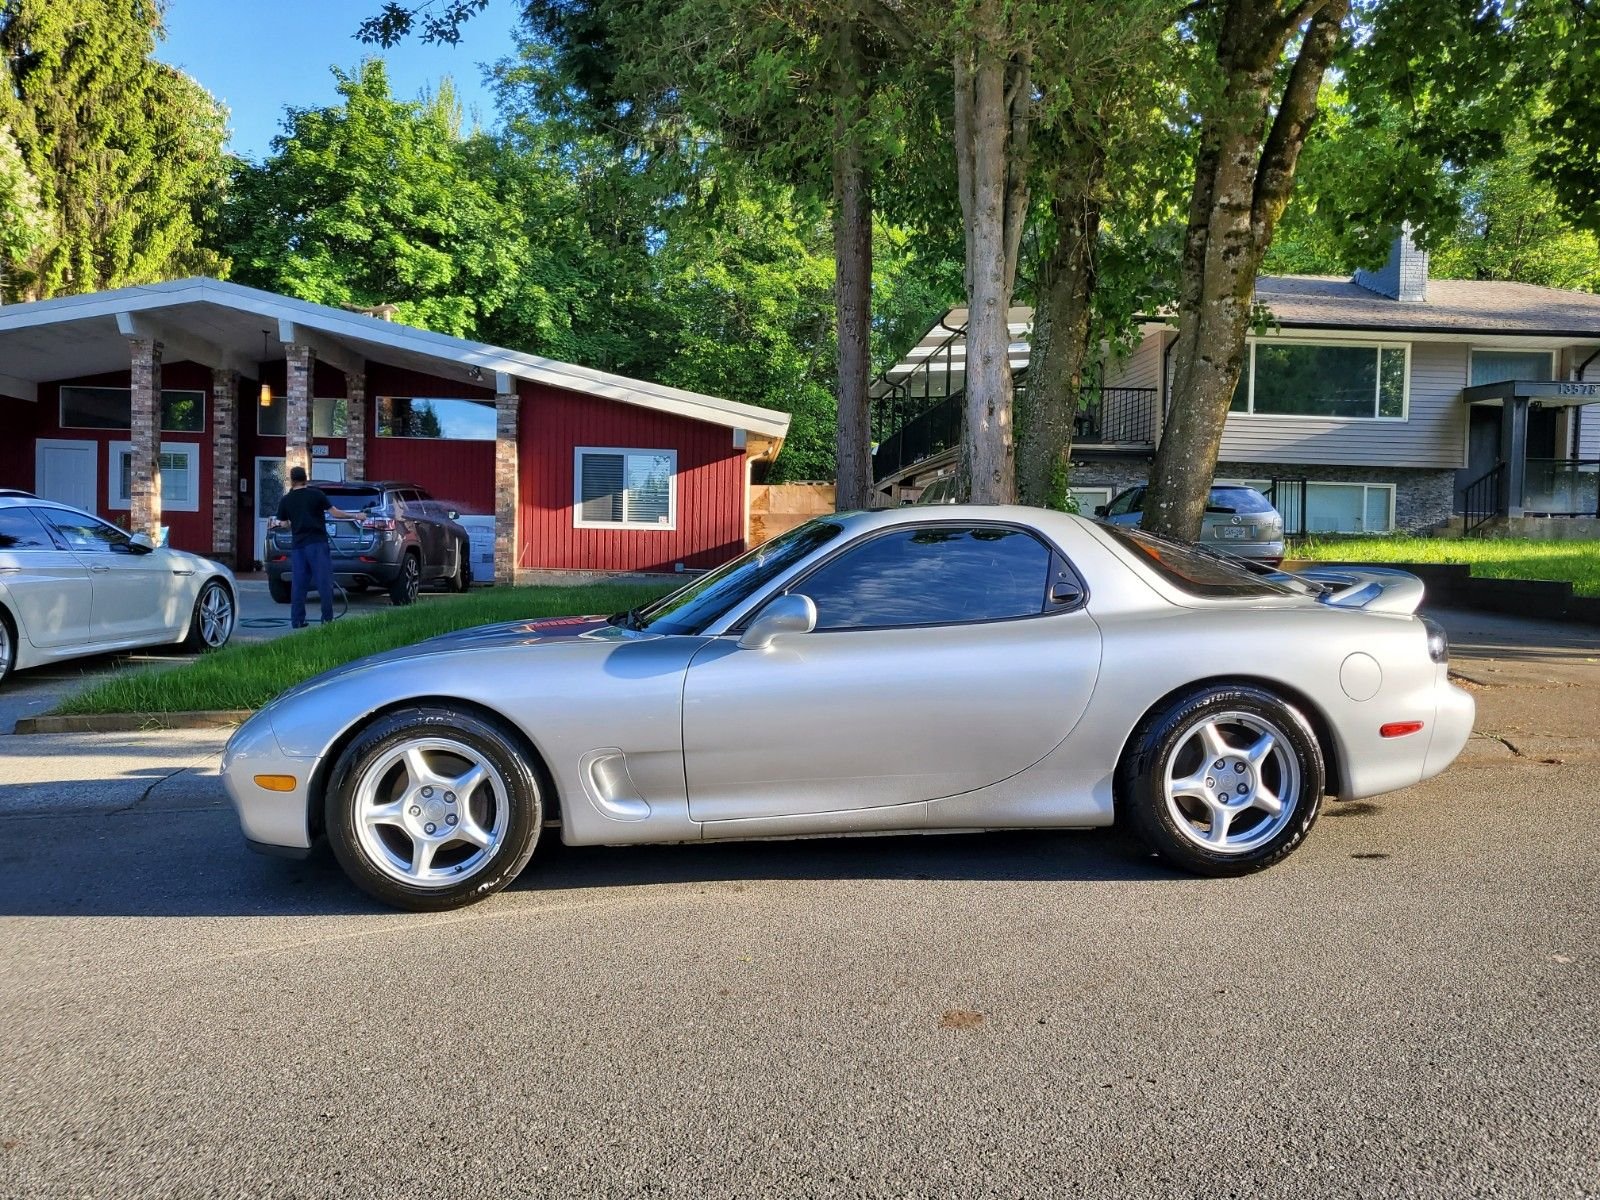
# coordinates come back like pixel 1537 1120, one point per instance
pixel 183 405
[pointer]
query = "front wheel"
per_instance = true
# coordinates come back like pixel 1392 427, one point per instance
pixel 211 623
pixel 1224 781
pixel 432 808
pixel 462 579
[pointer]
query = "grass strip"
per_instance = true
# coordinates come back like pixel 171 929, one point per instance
pixel 247 675
pixel 1577 561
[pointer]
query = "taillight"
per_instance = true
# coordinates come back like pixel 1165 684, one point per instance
pixel 385 524
pixel 1438 643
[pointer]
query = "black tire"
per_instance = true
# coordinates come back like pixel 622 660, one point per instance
pixel 277 588
pixel 1251 838
pixel 202 636
pixel 403 590
pixel 503 861
pixel 8 645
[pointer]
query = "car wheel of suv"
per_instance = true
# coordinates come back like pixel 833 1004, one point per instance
pixel 404 588
pixel 8 645
pixel 211 624
pixel 1223 781
pixel 277 588
pixel 432 807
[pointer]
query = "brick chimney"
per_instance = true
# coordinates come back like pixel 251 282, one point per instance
pixel 1404 277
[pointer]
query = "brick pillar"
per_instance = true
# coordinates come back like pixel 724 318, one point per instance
pixel 507 406
pixel 297 415
pixel 144 515
pixel 355 446
pixel 224 464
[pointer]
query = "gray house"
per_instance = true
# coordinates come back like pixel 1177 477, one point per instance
pixel 1381 402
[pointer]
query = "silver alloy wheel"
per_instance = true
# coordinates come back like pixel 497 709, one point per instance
pixel 216 615
pixel 430 812
pixel 5 649
pixel 1232 782
pixel 413 576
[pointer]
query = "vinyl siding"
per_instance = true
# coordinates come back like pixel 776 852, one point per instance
pixel 1434 435
pixel 1142 368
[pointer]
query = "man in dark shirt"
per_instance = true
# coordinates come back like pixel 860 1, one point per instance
pixel 305 511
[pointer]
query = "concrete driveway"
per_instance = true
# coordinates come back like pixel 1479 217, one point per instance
pixel 1405 1007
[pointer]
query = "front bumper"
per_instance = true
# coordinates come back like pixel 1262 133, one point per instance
pixel 280 820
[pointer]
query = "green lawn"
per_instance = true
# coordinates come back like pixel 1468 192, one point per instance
pixel 1505 558
pixel 247 676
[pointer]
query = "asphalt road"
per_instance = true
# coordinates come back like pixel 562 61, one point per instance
pixel 1405 1007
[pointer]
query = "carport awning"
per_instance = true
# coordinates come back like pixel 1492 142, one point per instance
pixel 1550 393
pixel 228 326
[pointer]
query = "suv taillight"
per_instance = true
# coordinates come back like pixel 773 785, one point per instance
pixel 384 523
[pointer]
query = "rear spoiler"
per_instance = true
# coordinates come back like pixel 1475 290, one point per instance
pixel 1373 589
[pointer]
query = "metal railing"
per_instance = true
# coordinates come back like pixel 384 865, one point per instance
pixel 1480 500
pixel 1562 487
pixel 1288 496
pixel 1115 416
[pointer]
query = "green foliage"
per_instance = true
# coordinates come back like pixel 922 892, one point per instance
pixel 124 153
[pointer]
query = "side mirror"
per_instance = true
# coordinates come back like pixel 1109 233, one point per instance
pixel 140 543
pixel 786 614
pixel 451 513
pixel 1099 510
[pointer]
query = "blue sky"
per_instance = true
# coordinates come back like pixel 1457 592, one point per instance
pixel 257 56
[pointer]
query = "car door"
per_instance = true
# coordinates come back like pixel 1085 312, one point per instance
pixel 436 546
pixel 45 585
pixel 138 594
pixel 939 664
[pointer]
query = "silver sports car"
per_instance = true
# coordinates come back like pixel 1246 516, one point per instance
pixel 914 669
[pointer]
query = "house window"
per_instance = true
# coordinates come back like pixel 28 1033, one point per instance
pixel 1344 382
pixel 330 417
pixel 180 476
pixel 435 417
pixel 630 488
pixel 1090 498
pixel 1338 507
pixel 1497 366
pixel 182 411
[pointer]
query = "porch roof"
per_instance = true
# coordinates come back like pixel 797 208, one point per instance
pixel 221 324
pixel 1550 393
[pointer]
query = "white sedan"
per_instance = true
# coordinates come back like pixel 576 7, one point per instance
pixel 72 584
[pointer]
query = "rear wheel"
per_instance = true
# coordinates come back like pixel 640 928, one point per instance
pixel 277 588
pixel 404 588
pixel 8 644
pixel 432 808
pixel 211 624
pixel 462 579
pixel 1223 781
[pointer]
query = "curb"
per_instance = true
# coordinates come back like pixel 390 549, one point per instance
pixel 226 718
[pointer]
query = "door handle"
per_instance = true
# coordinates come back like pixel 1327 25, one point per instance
pixel 1065 592
pixel 99 570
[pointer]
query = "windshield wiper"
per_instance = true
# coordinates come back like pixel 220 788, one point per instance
pixel 632 619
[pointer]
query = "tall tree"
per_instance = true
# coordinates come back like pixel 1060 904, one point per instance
pixel 125 151
pixel 24 224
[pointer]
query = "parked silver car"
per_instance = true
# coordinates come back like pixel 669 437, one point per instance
pixel 910 669
pixel 1238 519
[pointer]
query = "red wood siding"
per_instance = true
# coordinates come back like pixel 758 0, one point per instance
pixel 461 474
pixel 185 530
pixel 710 486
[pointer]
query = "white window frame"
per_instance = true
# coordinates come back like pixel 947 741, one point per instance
pixel 578 522
pixel 1250 394
pixel 116 500
pixel 1085 503
pixel 1261 485
pixel 61 406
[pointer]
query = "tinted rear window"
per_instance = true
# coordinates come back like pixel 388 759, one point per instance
pixel 1239 499
pixel 352 498
pixel 1194 571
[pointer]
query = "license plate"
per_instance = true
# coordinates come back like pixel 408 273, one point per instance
pixel 1231 531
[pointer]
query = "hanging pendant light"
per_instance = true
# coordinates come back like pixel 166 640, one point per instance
pixel 266 388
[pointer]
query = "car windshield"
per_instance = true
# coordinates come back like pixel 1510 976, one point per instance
pixel 693 607
pixel 1237 500
pixel 1196 571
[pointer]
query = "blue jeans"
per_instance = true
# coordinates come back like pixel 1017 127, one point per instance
pixel 312 566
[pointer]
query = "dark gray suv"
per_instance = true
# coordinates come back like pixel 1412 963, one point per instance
pixel 404 539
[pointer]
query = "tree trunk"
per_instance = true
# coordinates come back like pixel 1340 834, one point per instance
pixel 852 287
pixel 1059 346
pixel 991 114
pixel 1244 175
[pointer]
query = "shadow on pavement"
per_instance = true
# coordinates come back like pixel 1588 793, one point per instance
pixel 192 863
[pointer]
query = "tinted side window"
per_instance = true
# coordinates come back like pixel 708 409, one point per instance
pixel 86 533
pixel 21 530
pixel 931 576
pixel 1131 501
